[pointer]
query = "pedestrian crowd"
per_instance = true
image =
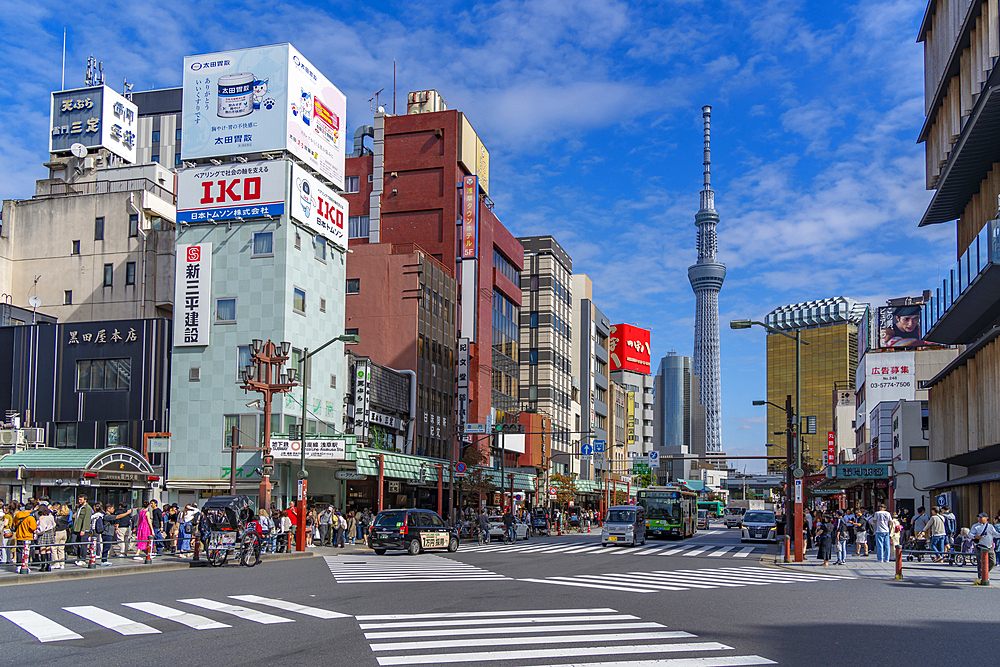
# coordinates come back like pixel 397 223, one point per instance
pixel 935 531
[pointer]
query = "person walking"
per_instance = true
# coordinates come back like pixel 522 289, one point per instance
pixel 45 537
pixel 144 533
pixel 81 528
pixel 935 529
pixel 6 533
pixel 883 525
pixel 843 534
pixel 106 527
pixel 341 528
pixel 986 536
pixel 325 518
pixel 352 526
pixel 310 527
pixel 824 537
pixel 861 534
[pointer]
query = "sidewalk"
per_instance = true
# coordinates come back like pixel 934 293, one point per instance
pixel 8 575
pixel 939 574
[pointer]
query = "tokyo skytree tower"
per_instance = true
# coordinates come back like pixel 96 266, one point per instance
pixel 706 278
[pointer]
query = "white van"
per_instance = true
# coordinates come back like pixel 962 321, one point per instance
pixel 733 516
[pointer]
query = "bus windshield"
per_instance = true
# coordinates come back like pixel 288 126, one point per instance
pixel 662 508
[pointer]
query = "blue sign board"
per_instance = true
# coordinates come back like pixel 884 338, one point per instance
pixel 598 445
pixel 586 450
pixel 475 428
pixel 863 471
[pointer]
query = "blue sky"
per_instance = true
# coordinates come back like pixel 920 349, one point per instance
pixel 592 113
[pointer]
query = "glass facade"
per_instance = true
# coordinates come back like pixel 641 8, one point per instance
pixel 506 316
pixel 828 363
pixel 983 251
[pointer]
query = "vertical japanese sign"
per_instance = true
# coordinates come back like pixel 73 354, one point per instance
pixel 362 397
pixel 470 217
pixel 193 295
pixel 97 117
pixel 462 384
pixel 630 419
pixel 831 448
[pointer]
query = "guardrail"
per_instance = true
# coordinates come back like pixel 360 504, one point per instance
pixel 981 559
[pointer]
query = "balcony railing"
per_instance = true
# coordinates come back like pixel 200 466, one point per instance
pixel 982 255
pixel 107 187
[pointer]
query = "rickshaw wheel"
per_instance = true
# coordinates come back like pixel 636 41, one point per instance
pixel 217 558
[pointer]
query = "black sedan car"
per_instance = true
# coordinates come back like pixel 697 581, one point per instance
pixel 412 530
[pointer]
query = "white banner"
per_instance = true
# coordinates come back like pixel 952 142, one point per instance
pixel 193 295
pixel 230 191
pixel 362 398
pixel 318 207
pixel 315 449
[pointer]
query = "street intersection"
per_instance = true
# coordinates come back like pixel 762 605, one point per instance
pixel 493 607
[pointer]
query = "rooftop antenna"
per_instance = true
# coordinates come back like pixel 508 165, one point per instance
pixel 63 85
pixel 95 72
pixel 373 101
pixel 127 89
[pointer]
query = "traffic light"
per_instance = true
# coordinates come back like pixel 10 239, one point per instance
pixel 268 465
pixel 509 428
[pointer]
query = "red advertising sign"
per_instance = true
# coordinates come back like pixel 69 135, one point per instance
pixel 831 448
pixel 470 216
pixel 629 347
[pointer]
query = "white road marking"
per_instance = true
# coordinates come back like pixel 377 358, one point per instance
pixel 480 614
pixel 715 661
pixel 489 621
pixel 505 641
pixel 566 581
pixel 290 606
pixel 112 621
pixel 241 612
pixel 582 627
pixel 565 651
pixel 44 629
pixel 193 621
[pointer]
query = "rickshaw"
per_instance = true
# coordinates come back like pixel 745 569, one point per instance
pixel 234 530
pixel 539 521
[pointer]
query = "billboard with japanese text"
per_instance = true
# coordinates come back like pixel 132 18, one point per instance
pixel 629 347
pixel 259 100
pixel 899 326
pixel 193 295
pixel 318 207
pixel 96 117
pixel 230 191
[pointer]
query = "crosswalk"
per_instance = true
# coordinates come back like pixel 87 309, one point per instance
pixel 403 568
pixel 59 628
pixel 590 637
pixel 673 549
pixel 683 580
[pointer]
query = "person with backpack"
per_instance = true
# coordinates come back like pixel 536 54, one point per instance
pixel 935 530
pixel 950 524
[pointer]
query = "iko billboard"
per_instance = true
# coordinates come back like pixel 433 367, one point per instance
pixel 318 207
pixel 96 117
pixel 263 99
pixel 630 349
pixel 231 191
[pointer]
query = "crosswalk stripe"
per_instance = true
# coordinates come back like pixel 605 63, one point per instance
pixel 562 627
pixel 112 621
pixel 289 606
pixel 718 552
pixel 744 552
pixel 664 582
pixel 480 614
pixel 646 552
pixel 393 569
pixel 44 629
pixel 193 621
pixel 552 639
pixel 565 651
pixel 688 579
pixel 627 580
pixel 712 661
pixel 566 581
pixel 489 621
pixel 241 612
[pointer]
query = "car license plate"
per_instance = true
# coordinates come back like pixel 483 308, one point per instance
pixel 612 539
pixel 383 536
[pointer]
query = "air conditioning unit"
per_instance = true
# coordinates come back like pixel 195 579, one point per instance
pixel 11 437
pixel 33 436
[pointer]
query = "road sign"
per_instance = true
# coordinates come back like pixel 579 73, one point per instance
pixel 460 468
pixel 553 492
pixel 586 450
pixel 640 468
pixel 599 445
pixel 798 473
pixel 798 491
pixel 476 428
pixel 654 459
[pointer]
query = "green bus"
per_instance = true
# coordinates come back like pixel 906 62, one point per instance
pixel 714 507
pixel 670 511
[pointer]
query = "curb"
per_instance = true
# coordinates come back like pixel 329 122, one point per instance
pixel 63 575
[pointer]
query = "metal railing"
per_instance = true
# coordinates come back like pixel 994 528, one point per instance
pixel 108 187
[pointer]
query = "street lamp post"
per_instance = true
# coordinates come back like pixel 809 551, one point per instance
pixel 794 489
pixel 300 529
pixel 264 375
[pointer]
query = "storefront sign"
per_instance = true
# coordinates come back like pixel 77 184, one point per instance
pixel 630 419
pixel 831 448
pixel 97 117
pixel 315 449
pixel 231 191
pixel 860 472
pixel 470 217
pixel 362 398
pixel 393 487
pixel 462 380
pixel 349 476
pixel 116 476
pixel 193 295
pixel 394 423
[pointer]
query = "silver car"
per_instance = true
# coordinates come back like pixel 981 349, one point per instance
pixel 759 525
pixel 626 525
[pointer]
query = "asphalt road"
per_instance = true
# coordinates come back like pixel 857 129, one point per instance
pixel 564 602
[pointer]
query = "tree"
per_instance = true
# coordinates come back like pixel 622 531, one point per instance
pixel 565 486
pixel 477 481
pixel 645 479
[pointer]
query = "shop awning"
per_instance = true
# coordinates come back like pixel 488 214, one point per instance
pixel 978 478
pixel 522 481
pixel 50 458
pixel 399 466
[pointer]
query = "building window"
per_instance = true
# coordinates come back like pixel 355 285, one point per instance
pixel 242 359
pixel 919 453
pixel 156 136
pixel 352 332
pixel 66 435
pixel 319 247
pixel 352 184
pixel 354 285
pixel 109 275
pixel 68 297
pixel 99 229
pixel 371 178
pixel 248 431
pixel 133 225
pixel 303 372
pixel 155 158
pixel 298 241
pixel 504 266
pixel 358 226
pixel 263 244
pixel 533 283
pixel 76 248
pixel 534 321
pixel 299 300
pixel 225 310
pixel 117 434
pixel 130 273
pixel 103 374
pixel 333 381
pixel 177 159
pixel 177 134
pixel 322 305
pixel 533 357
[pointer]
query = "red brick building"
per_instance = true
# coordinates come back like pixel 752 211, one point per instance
pixel 406 190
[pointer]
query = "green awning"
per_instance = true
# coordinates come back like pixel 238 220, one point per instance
pixel 399 466
pixel 522 481
pixel 50 458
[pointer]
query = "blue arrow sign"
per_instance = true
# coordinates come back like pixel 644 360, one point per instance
pixel 586 450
